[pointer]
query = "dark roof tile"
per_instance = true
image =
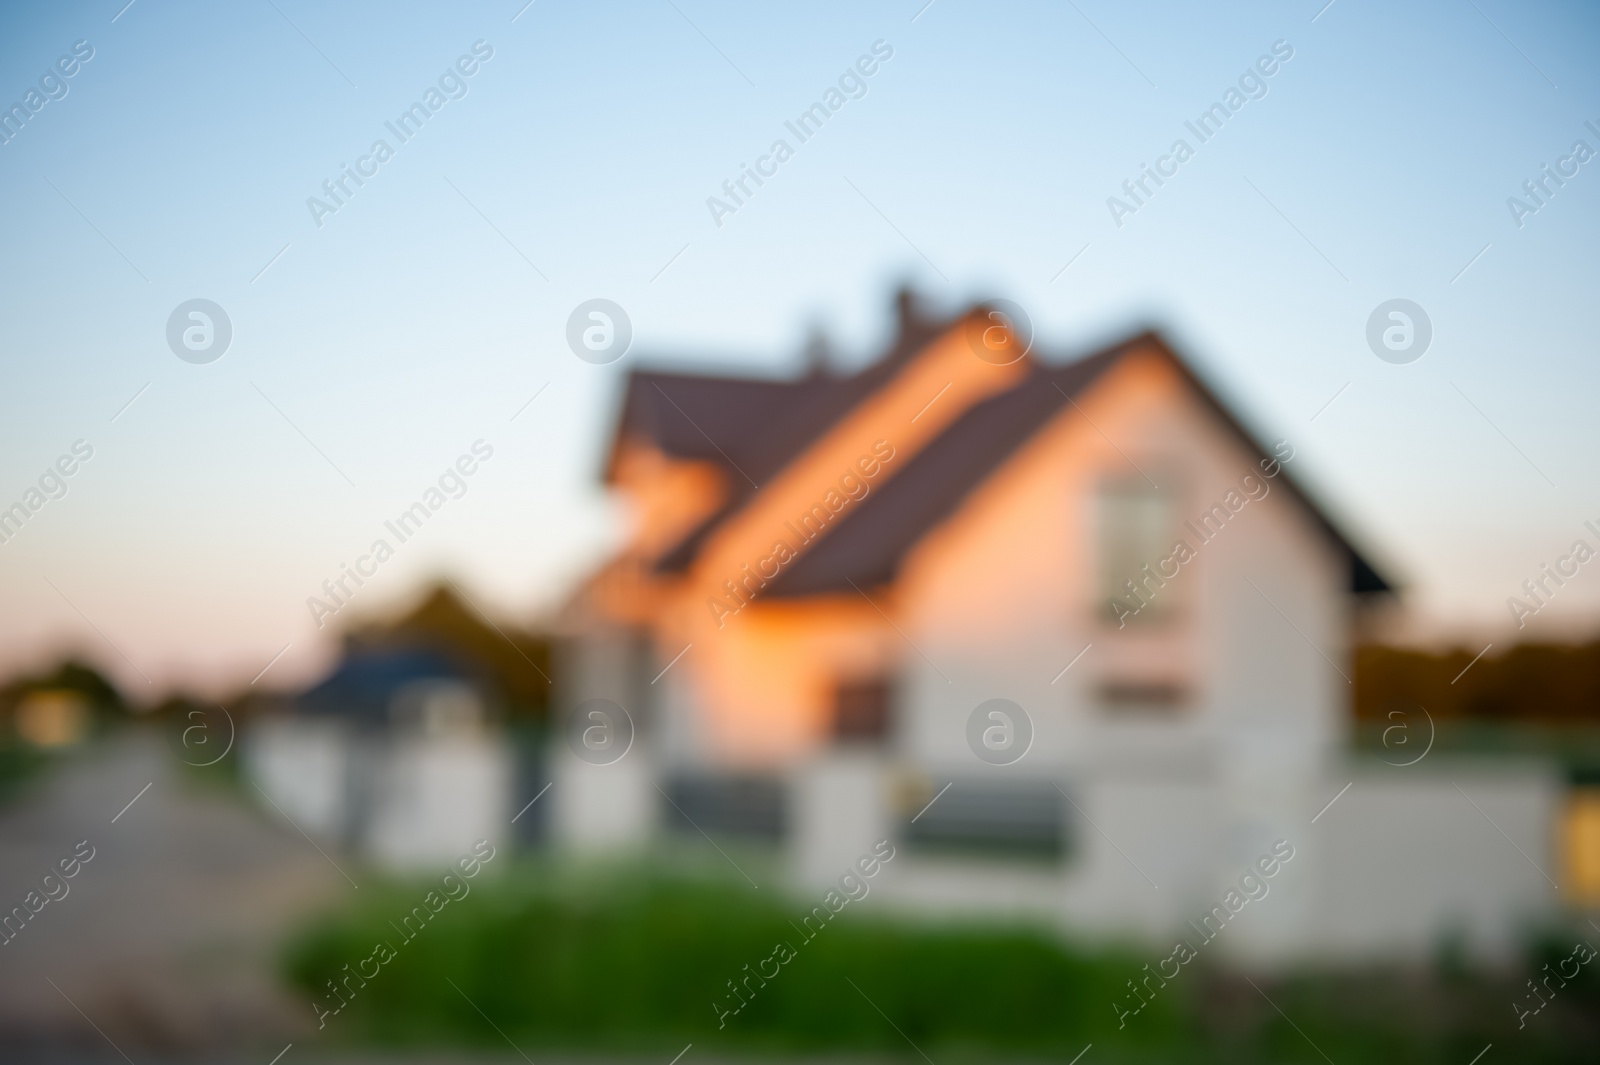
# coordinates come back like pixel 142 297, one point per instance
pixel 753 428
pixel 865 547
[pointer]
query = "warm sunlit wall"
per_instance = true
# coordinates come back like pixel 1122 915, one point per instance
pixel 763 678
pixel 1001 597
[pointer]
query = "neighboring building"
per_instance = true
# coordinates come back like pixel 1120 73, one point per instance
pixel 393 755
pixel 57 709
pixel 828 579
pixel 53 717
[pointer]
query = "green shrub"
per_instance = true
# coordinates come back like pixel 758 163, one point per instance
pixel 629 964
pixel 635 962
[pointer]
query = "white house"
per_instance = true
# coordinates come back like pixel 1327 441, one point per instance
pixel 1066 631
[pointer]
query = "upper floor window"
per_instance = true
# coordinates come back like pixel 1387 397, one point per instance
pixel 1135 524
pixel 861 711
pixel 1142 696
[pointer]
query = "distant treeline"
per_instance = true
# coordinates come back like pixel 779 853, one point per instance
pixel 513 664
pixel 1547 684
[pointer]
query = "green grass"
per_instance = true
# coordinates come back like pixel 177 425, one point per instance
pixel 633 963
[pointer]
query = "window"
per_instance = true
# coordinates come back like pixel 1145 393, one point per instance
pixel 1143 696
pixel 861 711
pixel 1136 527
pixel 751 806
pixel 1012 819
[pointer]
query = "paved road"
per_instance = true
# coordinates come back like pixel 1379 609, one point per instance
pixel 166 938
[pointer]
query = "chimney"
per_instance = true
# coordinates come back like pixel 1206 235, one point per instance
pixel 905 309
pixel 817 354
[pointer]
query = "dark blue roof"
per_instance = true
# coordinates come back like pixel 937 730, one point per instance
pixel 365 681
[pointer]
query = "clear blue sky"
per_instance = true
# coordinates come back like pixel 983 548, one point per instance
pixel 415 320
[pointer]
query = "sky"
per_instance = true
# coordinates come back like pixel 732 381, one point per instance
pixel 375 340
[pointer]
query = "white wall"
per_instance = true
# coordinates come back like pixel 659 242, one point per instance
pixel 433 798
pixel 302 764
pixel 839 808
pixel 406 802
pixel 603 807
pixel 1407 858
pixel 600 807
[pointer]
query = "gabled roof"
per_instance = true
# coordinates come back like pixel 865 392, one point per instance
pixel 752 428
pixel 760 426
pixel 757 425
pixel 871 538
pixel 867 545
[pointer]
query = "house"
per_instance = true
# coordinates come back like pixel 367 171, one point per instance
pixel 393 755
pixel 1066 630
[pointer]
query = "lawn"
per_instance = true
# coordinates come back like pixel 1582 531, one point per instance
pixel 645 962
